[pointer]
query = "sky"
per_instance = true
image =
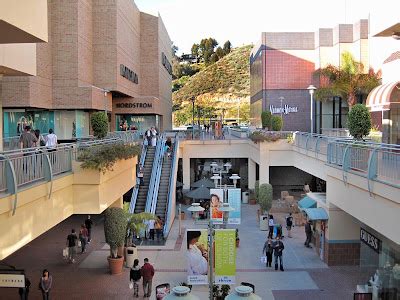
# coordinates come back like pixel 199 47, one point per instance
pixel 188 21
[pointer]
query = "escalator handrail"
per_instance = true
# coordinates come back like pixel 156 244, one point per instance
pixel 137 186
pixel 171 186
pixel 149 199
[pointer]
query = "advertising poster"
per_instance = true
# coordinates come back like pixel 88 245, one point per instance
pixel 234 200
pixel 225 256
pixel 216 200
pixel 197 256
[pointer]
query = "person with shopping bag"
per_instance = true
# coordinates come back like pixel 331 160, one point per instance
pixel 134 278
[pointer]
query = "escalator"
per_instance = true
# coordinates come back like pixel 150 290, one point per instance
pixel 162 197
pixel 141 197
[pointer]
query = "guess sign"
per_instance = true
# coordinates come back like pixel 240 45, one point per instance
pixel 370 240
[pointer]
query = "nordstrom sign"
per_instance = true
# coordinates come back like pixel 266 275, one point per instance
pixel 286 109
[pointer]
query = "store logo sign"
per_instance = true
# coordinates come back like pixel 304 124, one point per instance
pixel 286 109
pixel 165 62
pixel 124 71
pixel 370 240
pixel 134 105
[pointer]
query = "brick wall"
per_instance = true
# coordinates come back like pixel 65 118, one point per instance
pixel 342 254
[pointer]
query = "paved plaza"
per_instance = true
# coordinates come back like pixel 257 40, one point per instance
pixel 305 275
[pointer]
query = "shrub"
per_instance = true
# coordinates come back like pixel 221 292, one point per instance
pixel 276 123
pixel 115 225
pixel 99 122
pixel 266 117
pixel 265 197
pixel 103 157
pixel 259 136
pixel 359 121
pixel 257 189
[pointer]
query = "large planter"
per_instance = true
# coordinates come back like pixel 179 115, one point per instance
pixel 115 265
pixel 252 202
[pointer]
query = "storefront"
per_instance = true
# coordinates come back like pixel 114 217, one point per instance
pixel 330 114
pixel 67 124
pixel 380 258
pixel 137 122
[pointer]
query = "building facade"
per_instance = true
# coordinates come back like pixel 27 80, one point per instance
pixel 99 52
pixel 282 66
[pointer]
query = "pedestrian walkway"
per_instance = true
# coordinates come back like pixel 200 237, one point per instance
pixel 305 275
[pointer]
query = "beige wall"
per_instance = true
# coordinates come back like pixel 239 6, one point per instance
pixel 84 192
pixel 23 21
pixel 18 59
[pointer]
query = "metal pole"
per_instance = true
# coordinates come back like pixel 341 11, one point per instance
pixel 179 218
pixel 211 259
pixel 192 118
pixel 238 116
pixel 311 112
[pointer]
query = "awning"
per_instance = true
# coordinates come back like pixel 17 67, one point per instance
pixel 380 97
pixel 316 214
pixel 307 202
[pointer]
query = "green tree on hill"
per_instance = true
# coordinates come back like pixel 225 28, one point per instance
pixel 227 47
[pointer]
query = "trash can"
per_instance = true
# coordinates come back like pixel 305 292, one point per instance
pixel 131 254
pixel 264 222
pixel 245 197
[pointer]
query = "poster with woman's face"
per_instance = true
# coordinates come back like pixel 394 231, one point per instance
pixel 216 200
pixel 197 256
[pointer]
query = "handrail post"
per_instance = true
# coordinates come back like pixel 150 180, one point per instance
pixel 372 168
pixel 11 181
pixel 48 172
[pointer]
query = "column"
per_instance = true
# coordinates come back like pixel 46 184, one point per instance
pixel 186 172
pixel 252 173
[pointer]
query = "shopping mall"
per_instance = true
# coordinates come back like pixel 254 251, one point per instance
pixel 100 56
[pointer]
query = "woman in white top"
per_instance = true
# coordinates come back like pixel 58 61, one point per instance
pixel 153 137
pixel 51 140
pixel 196 255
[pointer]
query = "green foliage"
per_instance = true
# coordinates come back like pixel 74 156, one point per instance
pixel 359 121
pixel 227 47
pixel 266 117
pixel 257 189
pixel 265 197
pixel 348 81
pixel 136 222
pixel 99 122
pixel 260 136
pixel 276 123
pixel 103 157
pixel 220 292
pixel 115 224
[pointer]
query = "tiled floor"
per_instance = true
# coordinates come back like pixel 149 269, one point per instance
pixel 305 276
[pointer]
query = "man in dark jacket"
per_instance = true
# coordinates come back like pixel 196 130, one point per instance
pixel 308 231
pixel 89 224
pixel 278 249
pixel 147 272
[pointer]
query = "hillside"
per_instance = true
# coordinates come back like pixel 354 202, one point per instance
pixel 229 77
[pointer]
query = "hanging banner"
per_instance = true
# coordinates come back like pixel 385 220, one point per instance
pixel 216 200
pixel 197 256
pixel 225 256
pixel 234 200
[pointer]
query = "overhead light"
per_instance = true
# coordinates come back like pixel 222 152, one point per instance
pixel 396 35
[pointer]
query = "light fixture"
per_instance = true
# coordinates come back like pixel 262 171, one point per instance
pixel 228 165
pixel 235 178
pixel 213 164
pixel 216 177
pixel 311 90
pixel 196 208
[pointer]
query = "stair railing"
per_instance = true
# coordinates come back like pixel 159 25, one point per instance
pixel 137 185
pixel 171 200
pixel 154 173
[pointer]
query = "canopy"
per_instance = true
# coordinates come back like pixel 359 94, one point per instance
pixel 199 193
pixel 203 182
pixel 316 214
pixel 307 202
pixel 380 97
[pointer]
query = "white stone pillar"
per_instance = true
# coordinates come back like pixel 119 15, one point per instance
pixel 252 173
pixel 186 172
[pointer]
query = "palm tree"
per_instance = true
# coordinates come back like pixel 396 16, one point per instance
pixel 347 81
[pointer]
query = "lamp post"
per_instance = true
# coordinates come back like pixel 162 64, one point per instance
pixel 105 102
pixel 216 177
pixel 225 211
pixel 311 90
pixel 193 100
pixel 235 178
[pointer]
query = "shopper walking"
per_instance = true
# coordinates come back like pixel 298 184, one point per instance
pixel 83 237
pixel 141 174
pixel 148 136
pixel 24 291
pixel 271 226
pixel 278 253
pixel 289 224
pixel 45 284
pixel 268 250
pixel 151 227
pixel 158 226
pixel 51 141
pixel 71 243
pixel 89 224
pixel 147 272
pixel 27 139
pixel 153 137
pixel 134 277
pixel 308 231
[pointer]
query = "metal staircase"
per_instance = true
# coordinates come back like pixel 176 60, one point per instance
pixel 162 197
pixel 141 198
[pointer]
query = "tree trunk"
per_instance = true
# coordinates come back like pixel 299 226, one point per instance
pixel 351 100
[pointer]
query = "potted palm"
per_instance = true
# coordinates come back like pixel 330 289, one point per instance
pixel 265 201
pixel 115 225
pixel 136 224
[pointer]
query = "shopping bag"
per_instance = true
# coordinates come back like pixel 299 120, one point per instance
pixel 65 253
pixel 263 259
pixel 79 244
pixel 130 285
